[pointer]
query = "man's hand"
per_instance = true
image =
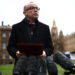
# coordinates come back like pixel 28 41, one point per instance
pixel 43 55
pixel 18 54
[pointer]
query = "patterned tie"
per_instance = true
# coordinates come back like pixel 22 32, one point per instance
pixel 31 26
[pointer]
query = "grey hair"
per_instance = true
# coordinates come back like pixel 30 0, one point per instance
pixel 25 8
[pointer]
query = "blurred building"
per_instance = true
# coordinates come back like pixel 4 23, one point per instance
pixel 69 42
pixel 54 31
pixel 61 42
pixel 5 58
pixel 54 34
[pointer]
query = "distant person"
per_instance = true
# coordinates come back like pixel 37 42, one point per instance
pixel 30 30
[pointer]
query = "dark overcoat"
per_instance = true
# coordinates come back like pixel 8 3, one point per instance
pixel 21 33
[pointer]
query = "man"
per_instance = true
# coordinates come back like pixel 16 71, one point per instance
pixel 24 32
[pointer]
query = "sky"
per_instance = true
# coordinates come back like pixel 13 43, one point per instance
pixel 62 11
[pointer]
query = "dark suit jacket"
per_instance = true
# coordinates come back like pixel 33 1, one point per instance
pixel 21 33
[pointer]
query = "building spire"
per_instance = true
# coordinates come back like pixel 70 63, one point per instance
pixel 2 23
pixel 54 23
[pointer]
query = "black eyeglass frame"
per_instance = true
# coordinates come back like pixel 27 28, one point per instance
pixel 31 8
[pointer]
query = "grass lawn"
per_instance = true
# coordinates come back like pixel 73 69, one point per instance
pixel 7 70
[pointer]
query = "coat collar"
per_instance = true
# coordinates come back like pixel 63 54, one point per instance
pixel 27 21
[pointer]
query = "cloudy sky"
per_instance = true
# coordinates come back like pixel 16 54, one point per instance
pixel 62 11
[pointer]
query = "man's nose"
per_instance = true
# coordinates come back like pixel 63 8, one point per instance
pixel 35 9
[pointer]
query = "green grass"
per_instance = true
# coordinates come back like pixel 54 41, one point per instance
pixel 7 70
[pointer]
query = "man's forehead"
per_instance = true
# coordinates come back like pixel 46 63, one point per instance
pixel 31 4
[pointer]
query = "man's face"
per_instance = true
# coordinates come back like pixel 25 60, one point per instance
pixel 32 11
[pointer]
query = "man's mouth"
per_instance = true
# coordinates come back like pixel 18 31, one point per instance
pixel 35 14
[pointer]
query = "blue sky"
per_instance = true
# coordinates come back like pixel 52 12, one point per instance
pixel 62 11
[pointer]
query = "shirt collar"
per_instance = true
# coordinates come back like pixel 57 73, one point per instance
pixel 32 23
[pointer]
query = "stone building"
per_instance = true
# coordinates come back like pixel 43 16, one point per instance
pixel 69 42
pixel 61 42
pixel 54 34
pixel 5 58
pixel 54 31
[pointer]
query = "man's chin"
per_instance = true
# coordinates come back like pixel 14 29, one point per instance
pixel 35 18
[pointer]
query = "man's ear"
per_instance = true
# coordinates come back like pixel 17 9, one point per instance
pixel 24 13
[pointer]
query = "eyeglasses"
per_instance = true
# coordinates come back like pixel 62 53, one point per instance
pixel 33 8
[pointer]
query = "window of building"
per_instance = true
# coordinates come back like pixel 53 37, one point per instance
pixel 3 45
pixel 10 57
pixel 4 34
pixel 3 56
